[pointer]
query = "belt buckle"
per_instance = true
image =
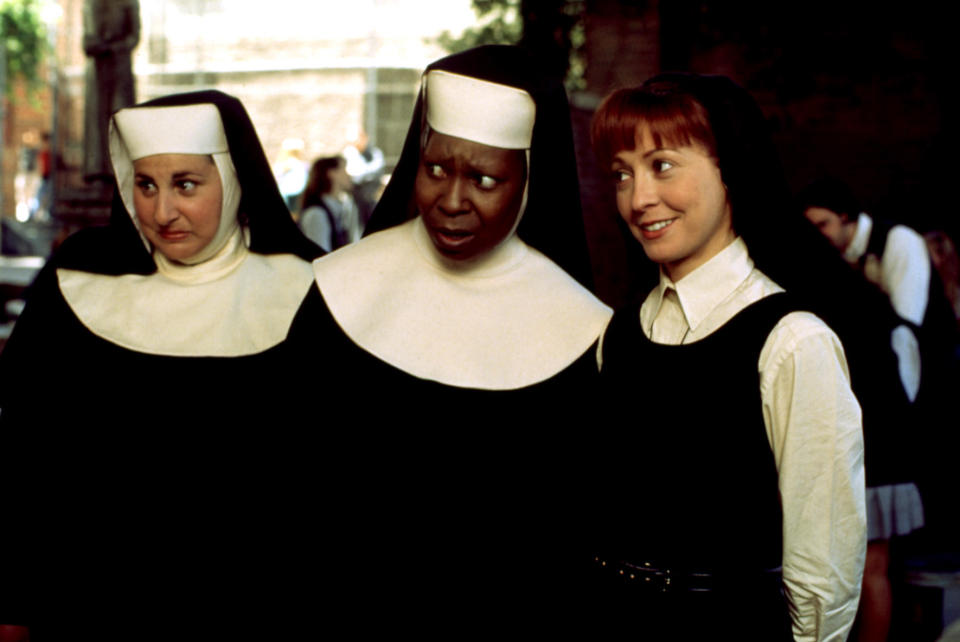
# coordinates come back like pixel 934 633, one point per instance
pixel 654 579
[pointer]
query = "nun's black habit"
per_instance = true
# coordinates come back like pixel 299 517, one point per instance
pixel 465 377
pixel 155 460
pixel 69 346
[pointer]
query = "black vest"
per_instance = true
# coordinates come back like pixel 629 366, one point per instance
pixel 937 333
pixel 689 479
pixel 929 446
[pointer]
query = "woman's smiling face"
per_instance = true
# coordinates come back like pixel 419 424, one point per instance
pixel 468 194
pixel 673 199
pixel 177 198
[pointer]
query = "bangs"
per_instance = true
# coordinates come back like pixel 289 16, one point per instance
pixel 673 118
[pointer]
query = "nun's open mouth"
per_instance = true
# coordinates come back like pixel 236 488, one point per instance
pixel 452 238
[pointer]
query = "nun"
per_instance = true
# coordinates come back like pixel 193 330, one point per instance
pixel 464 337
pixel 145 393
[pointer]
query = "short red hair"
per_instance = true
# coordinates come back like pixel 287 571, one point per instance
pixel 670 114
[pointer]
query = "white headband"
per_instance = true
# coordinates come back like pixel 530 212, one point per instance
pixel 186 129
pixel 139 132
pixel 478 110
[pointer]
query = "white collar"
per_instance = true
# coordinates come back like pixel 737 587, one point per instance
pixel 236 304
pixel 510 319
pixel 700 291
pixel 861 238
pixel 231 255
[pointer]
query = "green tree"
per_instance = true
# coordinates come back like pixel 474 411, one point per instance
pixel 499 24
pixel 23 41
pixel 552 27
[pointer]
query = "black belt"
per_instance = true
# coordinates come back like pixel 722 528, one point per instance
pixel 665 579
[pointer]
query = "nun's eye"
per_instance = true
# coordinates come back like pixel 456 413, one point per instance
pixel 486 182
pixel 434 170
pixel 146 186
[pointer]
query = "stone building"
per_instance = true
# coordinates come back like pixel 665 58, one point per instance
pixel 319 71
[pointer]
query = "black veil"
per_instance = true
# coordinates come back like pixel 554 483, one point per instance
pixel 552 221
pixel 119 249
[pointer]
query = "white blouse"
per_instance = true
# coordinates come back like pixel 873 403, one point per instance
pixel 813 424
pixel 903 273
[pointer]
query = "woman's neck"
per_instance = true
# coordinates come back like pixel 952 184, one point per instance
pixel 223 262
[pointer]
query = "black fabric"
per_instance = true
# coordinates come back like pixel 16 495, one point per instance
pixel 690 483
pixel 754 609
pixel 712 426
pixel 139 491
pixel 451 511
pixel 889 447
pixel 457 508
pixel 923 453
pixel 552 222
pixel 152 497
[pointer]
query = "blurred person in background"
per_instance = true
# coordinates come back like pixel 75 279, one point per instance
pixel 943 253
pixel 366 168
pixel 328 213
pixel 291 171
pixel 893 261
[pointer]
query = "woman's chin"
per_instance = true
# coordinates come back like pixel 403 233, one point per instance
pixel 178 252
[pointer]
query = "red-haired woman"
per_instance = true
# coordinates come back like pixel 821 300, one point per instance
pixel 735 501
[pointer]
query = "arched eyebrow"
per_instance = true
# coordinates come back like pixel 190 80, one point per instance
pixel 187 174
pixel 499 174
pixel 176 175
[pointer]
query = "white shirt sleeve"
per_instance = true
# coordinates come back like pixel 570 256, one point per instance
pixel 813 422
pixel 906 273
pixel 907 348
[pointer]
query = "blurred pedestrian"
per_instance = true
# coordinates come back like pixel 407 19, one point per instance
pixel 365 165
pixel 328 213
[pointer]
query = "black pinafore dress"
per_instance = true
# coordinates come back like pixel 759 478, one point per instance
pixel 688 529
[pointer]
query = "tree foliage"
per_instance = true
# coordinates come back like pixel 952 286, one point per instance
pixel 499 24
pixel 24 42
pixel 552 27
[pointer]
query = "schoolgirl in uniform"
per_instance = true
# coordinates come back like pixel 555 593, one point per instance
pixel 732 501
